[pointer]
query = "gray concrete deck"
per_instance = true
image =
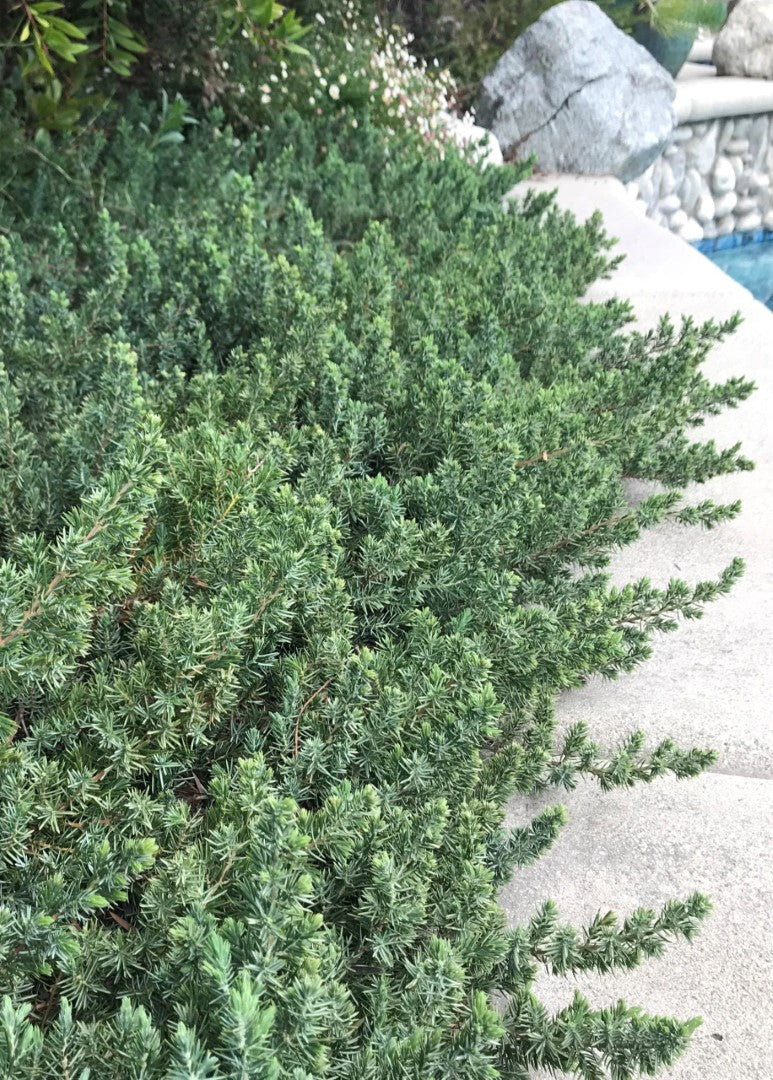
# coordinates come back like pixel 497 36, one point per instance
pixel 709 684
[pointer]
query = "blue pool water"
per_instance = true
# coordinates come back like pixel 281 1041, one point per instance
pixel 751 265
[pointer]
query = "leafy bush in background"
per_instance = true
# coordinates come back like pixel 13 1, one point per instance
pixel 64 59
pixel 56 53
pixel 312 465
pixel 63 66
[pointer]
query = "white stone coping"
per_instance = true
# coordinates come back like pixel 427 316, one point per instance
pixel 696 71
pixel 711 99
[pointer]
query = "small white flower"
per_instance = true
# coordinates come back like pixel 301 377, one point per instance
pixel 265 99
pixel 342 79
pixel 320 19
pixel 335 92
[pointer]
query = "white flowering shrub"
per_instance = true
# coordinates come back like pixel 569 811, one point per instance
pixel 357 64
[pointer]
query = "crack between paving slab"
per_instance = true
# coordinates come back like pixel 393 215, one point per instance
pixel 516 146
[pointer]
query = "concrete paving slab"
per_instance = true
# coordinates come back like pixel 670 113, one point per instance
pixel 643 847
pixel 709 684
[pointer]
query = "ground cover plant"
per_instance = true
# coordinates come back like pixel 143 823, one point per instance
pixel 312 462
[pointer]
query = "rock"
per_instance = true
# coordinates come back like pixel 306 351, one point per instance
pixel 725 135
pixel 723 176
pixel 678 165
pixel 691 232
pixel 746 205
pixel 482 142
pixel 767 221
pixel 759 139
pixel 580 95
pixel 690 190
pixel 669 204
pixel 737 146
pixel 737 163
pixel 667 180
pixel 749 222
pixel 705 210
pixel 726 226
pixel 709 231
pixel 677 220
pixel 702 151
pixel 725 204
pixel 682 134
pixel 745 44
pixel 758 181
pixel 645 187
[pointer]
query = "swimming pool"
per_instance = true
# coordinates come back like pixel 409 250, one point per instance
pixel 750 264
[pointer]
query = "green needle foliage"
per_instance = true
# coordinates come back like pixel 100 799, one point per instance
pixel 312 464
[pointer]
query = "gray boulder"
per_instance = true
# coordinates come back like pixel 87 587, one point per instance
pixel 745 44
pixel 580 95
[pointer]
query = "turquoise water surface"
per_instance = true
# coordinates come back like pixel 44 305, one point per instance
pixel 751 265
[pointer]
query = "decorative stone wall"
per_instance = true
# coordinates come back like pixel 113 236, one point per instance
pixel 714 179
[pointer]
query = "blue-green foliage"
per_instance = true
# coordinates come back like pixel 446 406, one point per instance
pixel 312 463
